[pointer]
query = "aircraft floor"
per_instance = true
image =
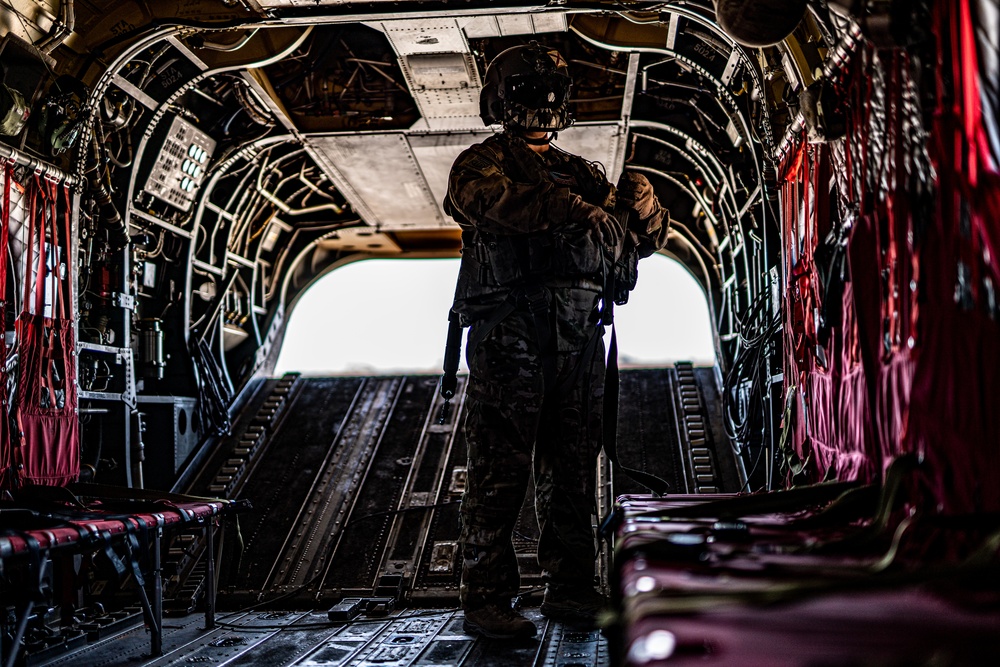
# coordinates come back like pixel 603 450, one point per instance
pixel 412 637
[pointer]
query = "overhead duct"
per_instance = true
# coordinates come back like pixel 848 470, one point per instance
pixel 440 71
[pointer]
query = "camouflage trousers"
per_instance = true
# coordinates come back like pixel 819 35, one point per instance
pixel 516 426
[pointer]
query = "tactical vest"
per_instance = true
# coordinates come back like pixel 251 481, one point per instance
pixel 493 264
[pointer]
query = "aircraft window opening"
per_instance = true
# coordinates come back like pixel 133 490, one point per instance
pixel 379 316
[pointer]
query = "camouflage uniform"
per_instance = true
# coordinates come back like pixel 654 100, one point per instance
pixel 525 414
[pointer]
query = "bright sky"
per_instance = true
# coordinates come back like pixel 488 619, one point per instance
pixel 391 316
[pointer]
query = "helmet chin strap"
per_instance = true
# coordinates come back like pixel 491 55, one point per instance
pixel 541 141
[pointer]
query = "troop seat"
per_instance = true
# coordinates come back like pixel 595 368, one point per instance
pixel 42 527
pixel 783 577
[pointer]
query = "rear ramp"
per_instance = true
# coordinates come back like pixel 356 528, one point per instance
pixel 356 483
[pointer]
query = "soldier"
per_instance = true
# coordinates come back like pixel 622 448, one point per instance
pixel 538 242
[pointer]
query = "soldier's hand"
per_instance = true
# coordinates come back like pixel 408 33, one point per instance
pixel 611 230
pixel 636 192
pixel 607 227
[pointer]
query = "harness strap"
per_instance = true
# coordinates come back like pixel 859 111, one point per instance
pixel 538 306
pixel 8 470
pixel 479 333
pixel 535 296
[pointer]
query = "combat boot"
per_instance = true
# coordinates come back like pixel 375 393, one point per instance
pixel 580 606
pixel 497 621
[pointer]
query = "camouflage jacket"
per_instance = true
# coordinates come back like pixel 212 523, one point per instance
pixel 514 208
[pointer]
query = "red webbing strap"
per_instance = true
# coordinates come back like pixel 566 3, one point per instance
pixel 889 213
pixel 800 186
pixel 966 67
pixel 8 174
pixel 6 455
pixel 65 303
pixel 66 310
pixel 23 387
pixel 38 285
pixel 30 246
pixel 56 333
pixel 28 254
pixel 983 180
pixel 49 445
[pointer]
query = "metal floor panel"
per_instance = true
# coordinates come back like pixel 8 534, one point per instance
pixel 355 484
pixel 280 483
pixel 389 495
pixel 414 638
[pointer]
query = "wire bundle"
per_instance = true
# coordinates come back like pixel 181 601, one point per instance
pixel 214 395
pixel 745 423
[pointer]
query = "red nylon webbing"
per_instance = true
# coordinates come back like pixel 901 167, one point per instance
pixel 49 449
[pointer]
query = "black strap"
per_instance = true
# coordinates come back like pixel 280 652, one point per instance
pixel 452 355
pixel 612 385
pixel 132 551
pixel 537 298
pixel 612 381
pixel 479 332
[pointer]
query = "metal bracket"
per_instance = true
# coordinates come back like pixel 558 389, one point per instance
pixel 126 301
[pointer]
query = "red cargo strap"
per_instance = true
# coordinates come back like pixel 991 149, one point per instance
pixel 49 449
pixel 6 455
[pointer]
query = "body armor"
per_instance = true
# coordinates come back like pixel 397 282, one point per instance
pixel 561 254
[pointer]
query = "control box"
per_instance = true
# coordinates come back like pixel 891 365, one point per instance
pixel 180 165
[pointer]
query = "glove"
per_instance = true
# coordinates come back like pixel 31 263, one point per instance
pixel 636 192
pixel 609 230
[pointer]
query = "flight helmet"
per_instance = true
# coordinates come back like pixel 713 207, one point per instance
pixel 527 87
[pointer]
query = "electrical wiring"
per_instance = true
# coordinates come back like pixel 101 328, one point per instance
pixel 756 332
pixel 215 396
pixel 688 102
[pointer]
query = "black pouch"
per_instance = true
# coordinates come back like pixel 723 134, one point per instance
pixel 572 251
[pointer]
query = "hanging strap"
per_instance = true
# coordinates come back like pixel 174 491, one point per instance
pixel 452 356
pixel 612 386
pixel 498 315
pixel 7 468
pixel 8 175
pixel 537 298
pixel 612 380
pixel 44 202
pixel 29 262
pixel 52 332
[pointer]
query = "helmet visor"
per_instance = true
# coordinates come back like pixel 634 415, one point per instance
pixel 538 92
